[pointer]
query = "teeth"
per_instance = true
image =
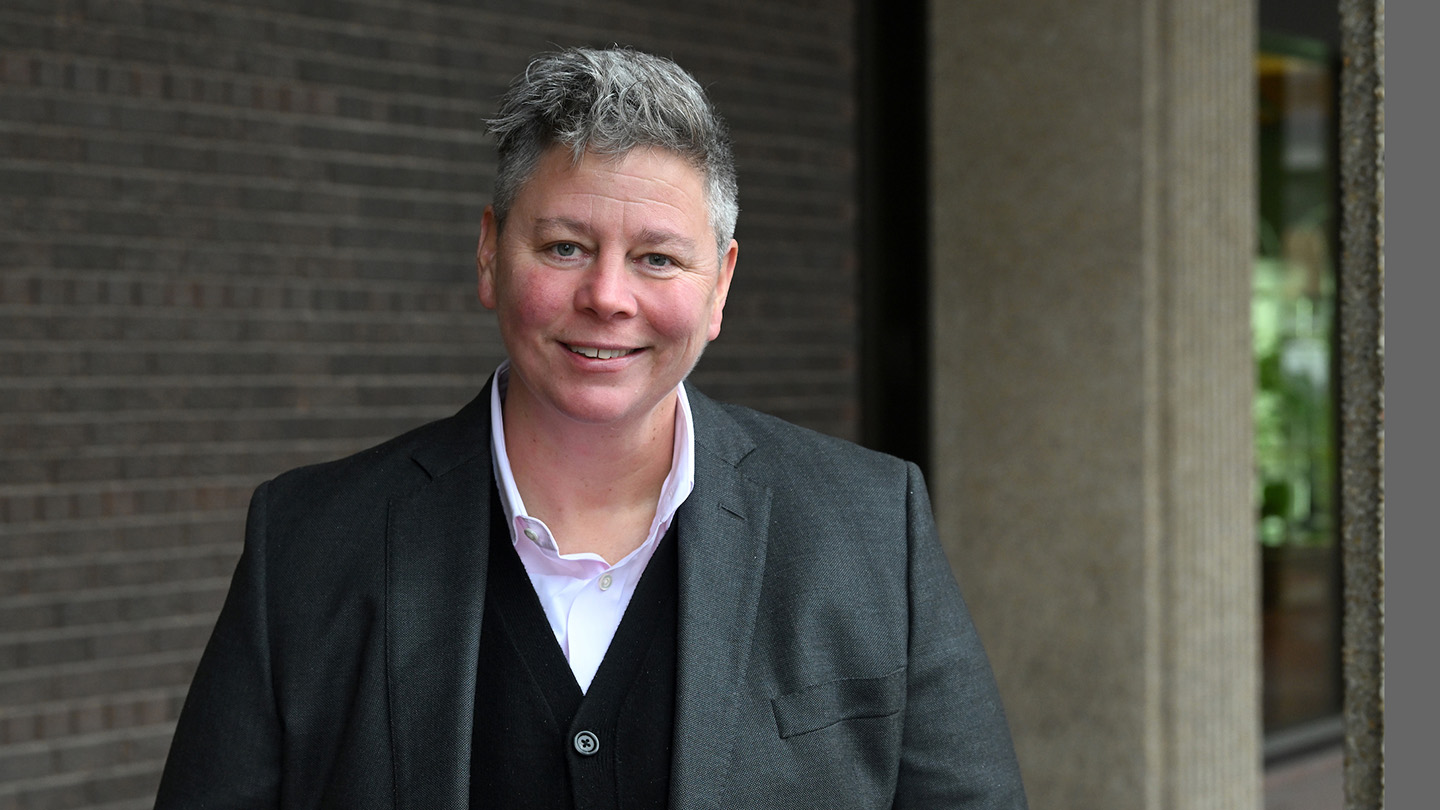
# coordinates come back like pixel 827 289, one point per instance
pixel 599 354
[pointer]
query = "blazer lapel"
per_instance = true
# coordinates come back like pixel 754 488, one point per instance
pixel 436 555
pixel 721 530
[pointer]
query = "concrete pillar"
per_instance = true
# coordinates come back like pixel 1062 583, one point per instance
pixel 1093 204
pixel 1362 396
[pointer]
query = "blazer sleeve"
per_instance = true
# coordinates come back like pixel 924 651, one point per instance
pixel 956 750
pixel 226 749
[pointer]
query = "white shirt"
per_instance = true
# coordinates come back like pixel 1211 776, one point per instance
pixel 585 597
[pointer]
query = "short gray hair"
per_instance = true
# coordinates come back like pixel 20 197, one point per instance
pixel 610 102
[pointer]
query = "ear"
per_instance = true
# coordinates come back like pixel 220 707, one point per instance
pixel 485 253
pixel 722 288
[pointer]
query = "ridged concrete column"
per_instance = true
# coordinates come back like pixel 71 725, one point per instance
pixel 1093 216
pixel 1362 396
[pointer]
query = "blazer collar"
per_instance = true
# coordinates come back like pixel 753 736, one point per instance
pixel 437 548
pixel 461 438
pixel 722 530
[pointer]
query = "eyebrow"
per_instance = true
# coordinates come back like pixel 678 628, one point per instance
pixel 650 236
pixel 562 224
pixel 667 239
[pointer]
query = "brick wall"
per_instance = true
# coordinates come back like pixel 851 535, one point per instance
pixel 236 237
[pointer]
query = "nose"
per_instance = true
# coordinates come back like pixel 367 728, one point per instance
pixel 605 289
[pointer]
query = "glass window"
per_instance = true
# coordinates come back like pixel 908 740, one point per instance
pixel 1294 339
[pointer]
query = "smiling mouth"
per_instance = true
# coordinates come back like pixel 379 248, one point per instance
pixel 600 354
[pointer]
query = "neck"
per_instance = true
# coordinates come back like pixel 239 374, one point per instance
pixel 596 487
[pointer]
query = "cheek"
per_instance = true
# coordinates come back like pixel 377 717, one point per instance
pixel 530 301
pixel 685 316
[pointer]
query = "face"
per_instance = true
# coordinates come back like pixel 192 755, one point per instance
pixel 607 286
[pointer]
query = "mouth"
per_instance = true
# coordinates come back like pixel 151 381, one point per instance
pixel 600 354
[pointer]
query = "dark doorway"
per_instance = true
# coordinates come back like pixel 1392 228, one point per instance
pixel 894 230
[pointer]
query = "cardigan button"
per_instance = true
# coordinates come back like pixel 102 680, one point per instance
pixel 586 743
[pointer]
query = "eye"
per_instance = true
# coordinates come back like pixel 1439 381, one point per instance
pixel 657 260
pixel 565 250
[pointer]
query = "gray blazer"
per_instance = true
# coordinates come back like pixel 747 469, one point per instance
pixel 825 657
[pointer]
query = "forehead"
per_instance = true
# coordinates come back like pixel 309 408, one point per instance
pixel 643 183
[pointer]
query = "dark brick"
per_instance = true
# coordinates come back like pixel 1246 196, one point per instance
pixel 14 730
pixel 121 223
pixel 115 153
pixel 33 183
pixel 114 786
pixel 82 113
pixel 350 106
pixel 144 119
pixel 23 763
pixel 70 183
pixel 236 162
pixel 20 35
pixel 49 147
pixel 26 109
pixel 270 199
pixel 126 12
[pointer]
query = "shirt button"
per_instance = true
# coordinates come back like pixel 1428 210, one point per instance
pixel 530 533
pixel 586 743
pixel 606 581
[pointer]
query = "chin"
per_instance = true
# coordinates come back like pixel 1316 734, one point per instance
pixel 600 410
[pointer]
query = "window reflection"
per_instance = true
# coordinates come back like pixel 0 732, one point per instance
pixel 1293 319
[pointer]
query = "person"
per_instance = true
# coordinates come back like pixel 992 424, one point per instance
pixel 593 586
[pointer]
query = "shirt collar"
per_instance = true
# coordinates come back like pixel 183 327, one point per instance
pixel 678 482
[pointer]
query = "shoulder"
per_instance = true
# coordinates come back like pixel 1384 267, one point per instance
pixel 790 458
pixel 319 534
pixel 351 489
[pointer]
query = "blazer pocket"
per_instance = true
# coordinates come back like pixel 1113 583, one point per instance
pixel 826 704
